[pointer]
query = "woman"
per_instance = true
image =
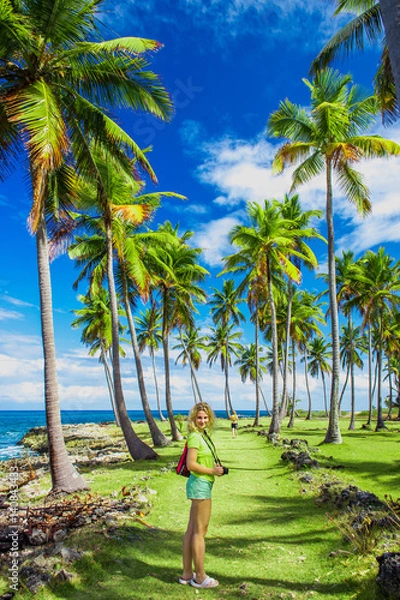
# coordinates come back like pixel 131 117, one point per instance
pixel 203 470
pixel 234 423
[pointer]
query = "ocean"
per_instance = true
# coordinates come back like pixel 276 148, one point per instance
pixel 15 423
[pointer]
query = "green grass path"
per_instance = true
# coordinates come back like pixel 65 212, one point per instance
pixel 267 538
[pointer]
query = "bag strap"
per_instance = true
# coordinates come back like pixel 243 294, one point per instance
pixel 211 446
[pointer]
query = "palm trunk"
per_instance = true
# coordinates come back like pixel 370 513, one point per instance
pixel 265 402
pixel 228 391
pixel 370 395
pixel 286 359
pixel 391 20
pixel 325 395
pixel 352 424
pixel 275 425
pixel 195 384
pixel 137 448
pixel 294 391
pixel 390 408
pixel 153 362
pixel 380 424
pixel 333 435
pixel 159 439
pixel 344 386
pixel 309 412
pixel 110 386
pixel 64 476
pixel 257 416
pixel 175 433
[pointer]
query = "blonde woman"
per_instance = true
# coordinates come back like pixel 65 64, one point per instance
pixel 203 470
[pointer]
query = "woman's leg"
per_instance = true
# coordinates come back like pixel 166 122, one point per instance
pixel 200 514
pixel 187 558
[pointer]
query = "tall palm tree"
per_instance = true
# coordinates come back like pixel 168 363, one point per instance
pixel 57 78
pixel 149 335
pixel 291 210
pixel 177 272
pixel 95 318
pixel 191 343
pixel 319 352
pixel 251 363
pixel 378 295
pixel 222 344
pixel 351 343
pixel 265 251
pixel 224 308
pixel 328 139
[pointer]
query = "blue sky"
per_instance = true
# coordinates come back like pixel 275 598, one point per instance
pixel 227 65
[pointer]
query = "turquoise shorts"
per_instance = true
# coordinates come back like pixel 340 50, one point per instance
pixel 198 488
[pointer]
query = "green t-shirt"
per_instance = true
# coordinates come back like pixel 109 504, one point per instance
pixel 204 454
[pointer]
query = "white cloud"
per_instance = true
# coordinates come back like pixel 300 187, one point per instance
pixel 6 315
pixel 213 239
pixel 15 301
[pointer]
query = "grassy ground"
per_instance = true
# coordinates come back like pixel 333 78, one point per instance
pixel 268 539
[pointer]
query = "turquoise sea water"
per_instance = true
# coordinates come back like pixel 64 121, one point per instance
pixel 15 423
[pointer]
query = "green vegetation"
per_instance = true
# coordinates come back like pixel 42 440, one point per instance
pixel 268 537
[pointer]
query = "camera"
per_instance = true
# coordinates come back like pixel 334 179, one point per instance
pixel 226 470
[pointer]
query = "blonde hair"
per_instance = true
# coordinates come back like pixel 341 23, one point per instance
pixel 200 406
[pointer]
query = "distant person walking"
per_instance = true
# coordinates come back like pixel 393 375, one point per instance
pixel 203 470
pixel 234 424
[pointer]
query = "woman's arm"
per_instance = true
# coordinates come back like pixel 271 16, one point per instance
pixel 193 465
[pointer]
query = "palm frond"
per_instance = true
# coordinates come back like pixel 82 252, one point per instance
pixel 289 154
pixel 290 121
pixel 311 167
pixel 354 188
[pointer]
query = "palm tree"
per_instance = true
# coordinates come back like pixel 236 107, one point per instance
pixel 56 79
pixel 328 139
pixel 177 274
pixel 319 352
pixel 366 25
pixel 306 316
pixel 379 286
pixel 264 252
pixel 251 363
pixel 190 342
pixel 149 335
pixel 291 210
pixel 222 345
pixel 351 342
pixel 224 309
pixel 95 318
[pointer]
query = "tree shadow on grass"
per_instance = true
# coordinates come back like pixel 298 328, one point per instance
pixel 140 564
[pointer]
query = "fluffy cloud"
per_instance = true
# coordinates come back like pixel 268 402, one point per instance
pixel 240 171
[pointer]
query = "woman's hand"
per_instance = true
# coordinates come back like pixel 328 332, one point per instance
pixel 218 471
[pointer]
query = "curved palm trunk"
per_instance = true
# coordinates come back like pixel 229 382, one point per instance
pixel 227 389
pixel 103 360
pixel 176 435
pixel 294 390
pixel 153 362
pixel 137 448
pixel 195 383
pixel 265 402
pixel 275 425
pixel 333 435
pixel 159 439
pixel 64 476
pixel 286 359
pixel 309 412
pixel 257 416
pixel 391 19
pixel 344 386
